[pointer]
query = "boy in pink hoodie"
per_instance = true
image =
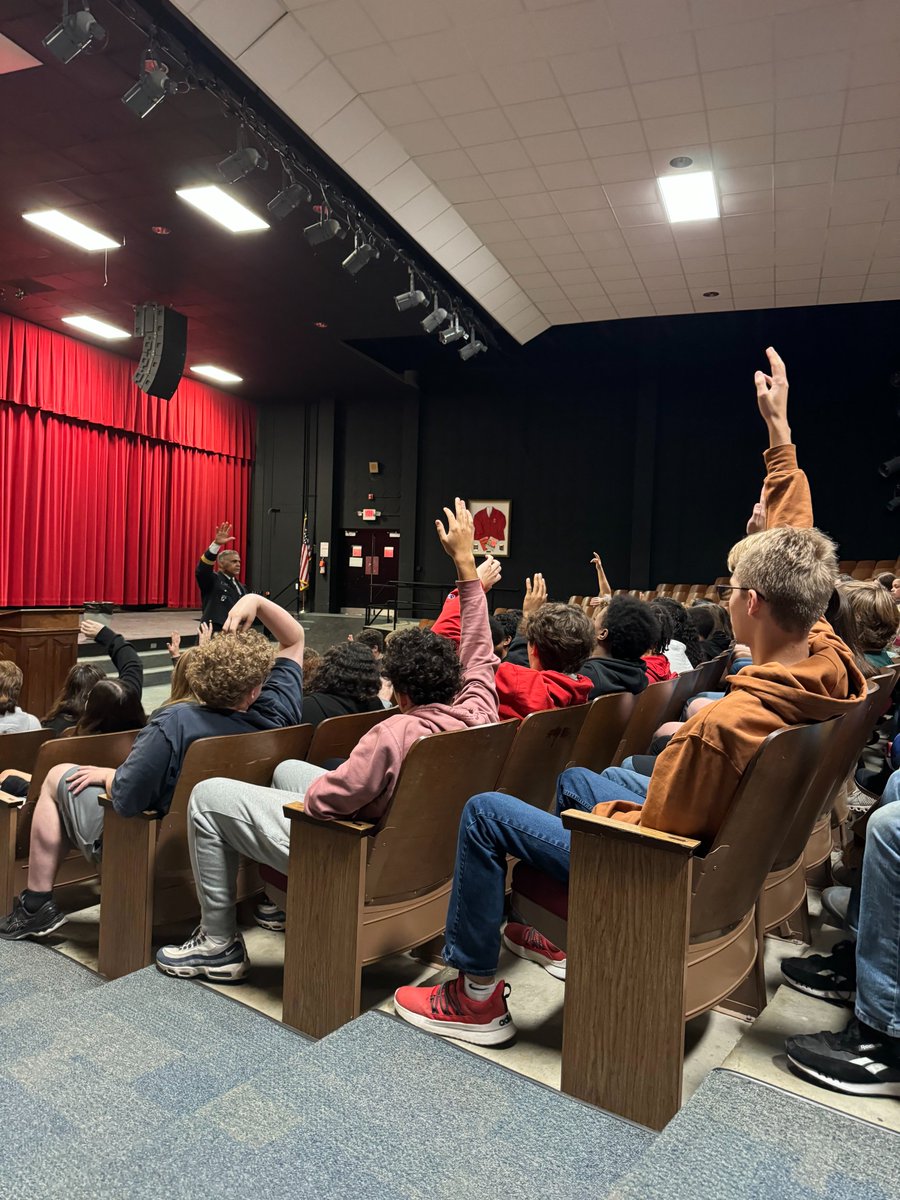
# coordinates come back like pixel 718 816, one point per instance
pixel 436 691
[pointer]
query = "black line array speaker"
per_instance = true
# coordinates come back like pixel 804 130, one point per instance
pixel 165 345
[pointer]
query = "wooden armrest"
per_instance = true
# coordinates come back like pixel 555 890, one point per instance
pixel 12 801
pixel 149 814
pixel 584 822
pixel 296 812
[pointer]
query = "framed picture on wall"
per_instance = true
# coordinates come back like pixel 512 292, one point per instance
pixel 491 519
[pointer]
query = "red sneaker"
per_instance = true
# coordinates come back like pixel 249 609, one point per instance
pixel 447 1010
pixel 525 941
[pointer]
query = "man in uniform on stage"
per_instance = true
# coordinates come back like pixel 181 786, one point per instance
pixel 219 590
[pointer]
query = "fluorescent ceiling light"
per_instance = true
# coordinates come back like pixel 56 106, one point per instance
pixel 100 328
pixel 73 231
pixel 216 373
pixel 213 202
pixel 689 197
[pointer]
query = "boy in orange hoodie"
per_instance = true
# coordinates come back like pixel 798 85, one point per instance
pixel 781 581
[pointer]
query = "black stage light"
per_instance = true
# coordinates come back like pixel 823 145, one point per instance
pixel 287 200
pixel 322 231
pixel 152 87
pixel 241 163
pixel 362 253
pixel 75 32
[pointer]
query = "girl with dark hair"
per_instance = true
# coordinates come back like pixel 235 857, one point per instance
pixel 655 662
pixel 69 706
pixel 111 707
pixel 347 680
pixel 684 651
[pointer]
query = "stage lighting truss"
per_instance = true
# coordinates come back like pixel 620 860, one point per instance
pixel 74 33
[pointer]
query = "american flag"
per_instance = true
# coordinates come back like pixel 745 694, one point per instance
pixel 305 557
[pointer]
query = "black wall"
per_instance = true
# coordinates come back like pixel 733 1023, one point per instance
pixel 640 439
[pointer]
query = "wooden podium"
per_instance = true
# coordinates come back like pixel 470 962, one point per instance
pixel 44 643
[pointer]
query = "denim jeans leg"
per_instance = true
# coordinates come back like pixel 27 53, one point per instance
pixel 891 796
pixel 878 939
pixel 492 826
pixel 580 788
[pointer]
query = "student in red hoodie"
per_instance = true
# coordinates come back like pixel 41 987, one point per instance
pixel 556 639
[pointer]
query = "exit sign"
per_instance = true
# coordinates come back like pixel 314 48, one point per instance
pixel 369 514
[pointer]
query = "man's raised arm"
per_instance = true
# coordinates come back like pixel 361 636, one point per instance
pixel 786 498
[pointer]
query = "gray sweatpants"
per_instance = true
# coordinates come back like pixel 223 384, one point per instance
pixel 226 819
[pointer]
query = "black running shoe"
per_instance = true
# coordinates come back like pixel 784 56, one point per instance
pixel 22 924
pixel 827 976
pixel 858 1060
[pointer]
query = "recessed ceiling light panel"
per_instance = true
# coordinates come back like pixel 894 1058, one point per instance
pixel 210 372
pixel 689 197
pixel 216 204
pixel 57 223
pixel 99 328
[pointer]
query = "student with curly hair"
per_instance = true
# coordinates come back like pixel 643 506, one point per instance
pixel 683 651
pixel 240 689
pixel 347 680
pixel 437 690
pixel 624 629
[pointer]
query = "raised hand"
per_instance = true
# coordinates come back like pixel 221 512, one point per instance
pixel 223 534
pixel 757 522
pixel 489 572
pixel 535 594
pixel 242 615
pixel 174 646
pixel 90 628
pixel 772 398
pixel 206 632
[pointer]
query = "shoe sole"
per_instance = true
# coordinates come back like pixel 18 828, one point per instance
pixel 845 997
pixel 557 970
pixel 838 1085
pixel 460 1033
pixel 213 974
pixel 265 923
pixel 36 933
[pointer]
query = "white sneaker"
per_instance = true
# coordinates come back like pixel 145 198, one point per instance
pixel 201 956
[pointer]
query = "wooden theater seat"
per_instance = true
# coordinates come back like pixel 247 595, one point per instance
pixel 864 569
pixel 97 750
pixel 357 892
pixel 650 709
pixel 19 751
pixel 147 876
pixel 337 736
pixel 658 931
pixel 543 746
pixel 602 731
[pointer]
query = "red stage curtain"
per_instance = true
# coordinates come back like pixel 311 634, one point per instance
pixel 108 494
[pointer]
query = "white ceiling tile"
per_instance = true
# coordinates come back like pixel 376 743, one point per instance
pixel 803 196
pixel 605 107
pixel 863 166
pixel 753 275
pixel 517 249
pixel 457 249
pixel 762 247
pixel 734 203
pixel 432 56
pixel 871 135
pixel 480 128
pixel 745 179
pixel 564 262
pixel 400 105
pixel 874 103
pixel 625 287
pixel 851 191
pixel 743 152
pixel 234 25
pixel 546 292
pixel 473 266
pixel 858 213
pixel 570 200
pixel 514 183
pixel 583 278
pixel 884 280
pixel 374 162
pixel 667 97
pixel 805 271
pixel 471 187
pixel 627 138
pixel 550 226
pixel 510 39
pixel 438 232
pixel 585 222
pixel 502 294
pixel 874 64
pixel 659 58
pixel 561 243
pixel 407 18
pixel 821 30
pixel 811 170
pixel 801 301
pixel 548 148
pixel 400 186
pixel 539 204
pixel 643 191
pixel 539 116
pixel 447 164
pixel 595 290
pixel 657 260
pixel 843 266
pixel 613 265
pixel 572 28
pixel 317 97
pixel 839 283
pixel 809 112
pixel 712 264
pixel 337 26
pixel 878 19
pixel 797 219
pixel 600 239
pixel 748 224
pixel 512 84
pixel 479 211
pixel 463 93
pixel 372 67
pixel 426 137
pixel 740 85
pixel 559 309
pixel 807 143
pixel 499 156
pixel 282 56
pixel 517 263
pixel 632 18
pixel 421 209
pixel 349 130
pixel 746 120
pixel 484 283
pixel 650 235
pixel 585 70
pixel 728 46
pixel 535 279
pixel 685 128
pixel 858 238
pixel 620 168
pixel 811 74
pixel 639 214
pixel 568 175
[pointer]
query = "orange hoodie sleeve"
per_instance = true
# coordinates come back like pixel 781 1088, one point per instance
pixel 787 496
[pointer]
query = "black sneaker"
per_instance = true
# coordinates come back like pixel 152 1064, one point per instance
pixel 858 1060
pixel 22 924
pixel 827 976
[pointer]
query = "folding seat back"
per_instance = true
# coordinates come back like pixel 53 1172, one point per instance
pixel 543 746
pixel 19 751
pixel 337 736
pixel 650 710
pixel 864 569
pixel 602 731
pixel 710 674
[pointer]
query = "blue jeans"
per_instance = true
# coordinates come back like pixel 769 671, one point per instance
pixel 878 935
pixel 492 826
pixel 580 788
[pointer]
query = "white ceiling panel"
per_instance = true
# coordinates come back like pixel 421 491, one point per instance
pixel 519 141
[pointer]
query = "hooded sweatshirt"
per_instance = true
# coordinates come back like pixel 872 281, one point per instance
pixel 698 773
pixel 608 675
pixel 362 786
pixel 657 669
pixel 520 688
